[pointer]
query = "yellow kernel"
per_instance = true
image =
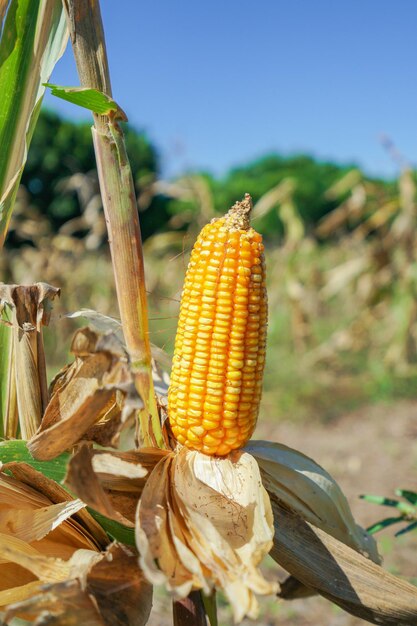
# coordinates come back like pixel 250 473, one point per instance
pixel 209 440
pixel 198 430
pixel 191 436
pixel 223 449
pixel 209 424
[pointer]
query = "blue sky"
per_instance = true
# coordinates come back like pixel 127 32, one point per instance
pixel 218 83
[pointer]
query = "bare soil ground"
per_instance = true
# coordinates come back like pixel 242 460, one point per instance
pixel 371 450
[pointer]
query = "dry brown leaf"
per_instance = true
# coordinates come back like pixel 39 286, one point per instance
pixel 47 569
pixel 120 589
pixel 205 521
pixel 111 482
pixel 46 491
pixel 30 525
pixel 11 594
pixel 43 549
pixel 339 573
pixel 125 471
pixel 82 481
pixel 28 308
pixel 73 409
pixel 92 399
pixel 63 604
pixel 114 593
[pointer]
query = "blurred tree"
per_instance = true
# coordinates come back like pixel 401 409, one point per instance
pixel 61 148
pixel 311 179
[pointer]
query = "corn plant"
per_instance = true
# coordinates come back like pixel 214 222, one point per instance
pixel 125 485
pixel 406 510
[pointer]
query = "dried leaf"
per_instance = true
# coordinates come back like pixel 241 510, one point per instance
pixel 82 480
pixel 123 595
pixel 339 573
pixel 54 493
pixel 28 309
pixel 47 569
pixel 114 593
pixel 97 387
pixel 63 604
pixel 10 595
pixel 30 525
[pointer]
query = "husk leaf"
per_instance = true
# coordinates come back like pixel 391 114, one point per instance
pixel 205 522
pixel 310 491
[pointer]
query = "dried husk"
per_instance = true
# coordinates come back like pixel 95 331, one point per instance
pixel 204 522
pixel 317 541
pixel 26 309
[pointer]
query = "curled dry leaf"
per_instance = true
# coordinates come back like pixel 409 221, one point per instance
pixel 55 494
pixel 310 491
pixel 62 604
pixel 111 482
pixel 91 399
pixel 38 538
pixel 52 546
pixel 25 309
pixel 114 593
pixel 105 325
pixel 120 589
pixel 204 522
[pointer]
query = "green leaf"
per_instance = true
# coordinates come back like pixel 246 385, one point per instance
pixel 33 38
pixel 5 367
pixel 407 529
pixel 114 529
pixel 380 500
pixel 210 607
pixel 411 496
pixel 91 99
pixel 404 507
pixel 16 450
pixel 383 524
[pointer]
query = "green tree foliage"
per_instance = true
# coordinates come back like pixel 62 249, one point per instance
pixel 61 148
pixel 312 178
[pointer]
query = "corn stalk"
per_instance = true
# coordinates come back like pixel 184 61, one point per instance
pixel 119 201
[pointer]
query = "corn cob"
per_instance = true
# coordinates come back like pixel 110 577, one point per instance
pixel 216 378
